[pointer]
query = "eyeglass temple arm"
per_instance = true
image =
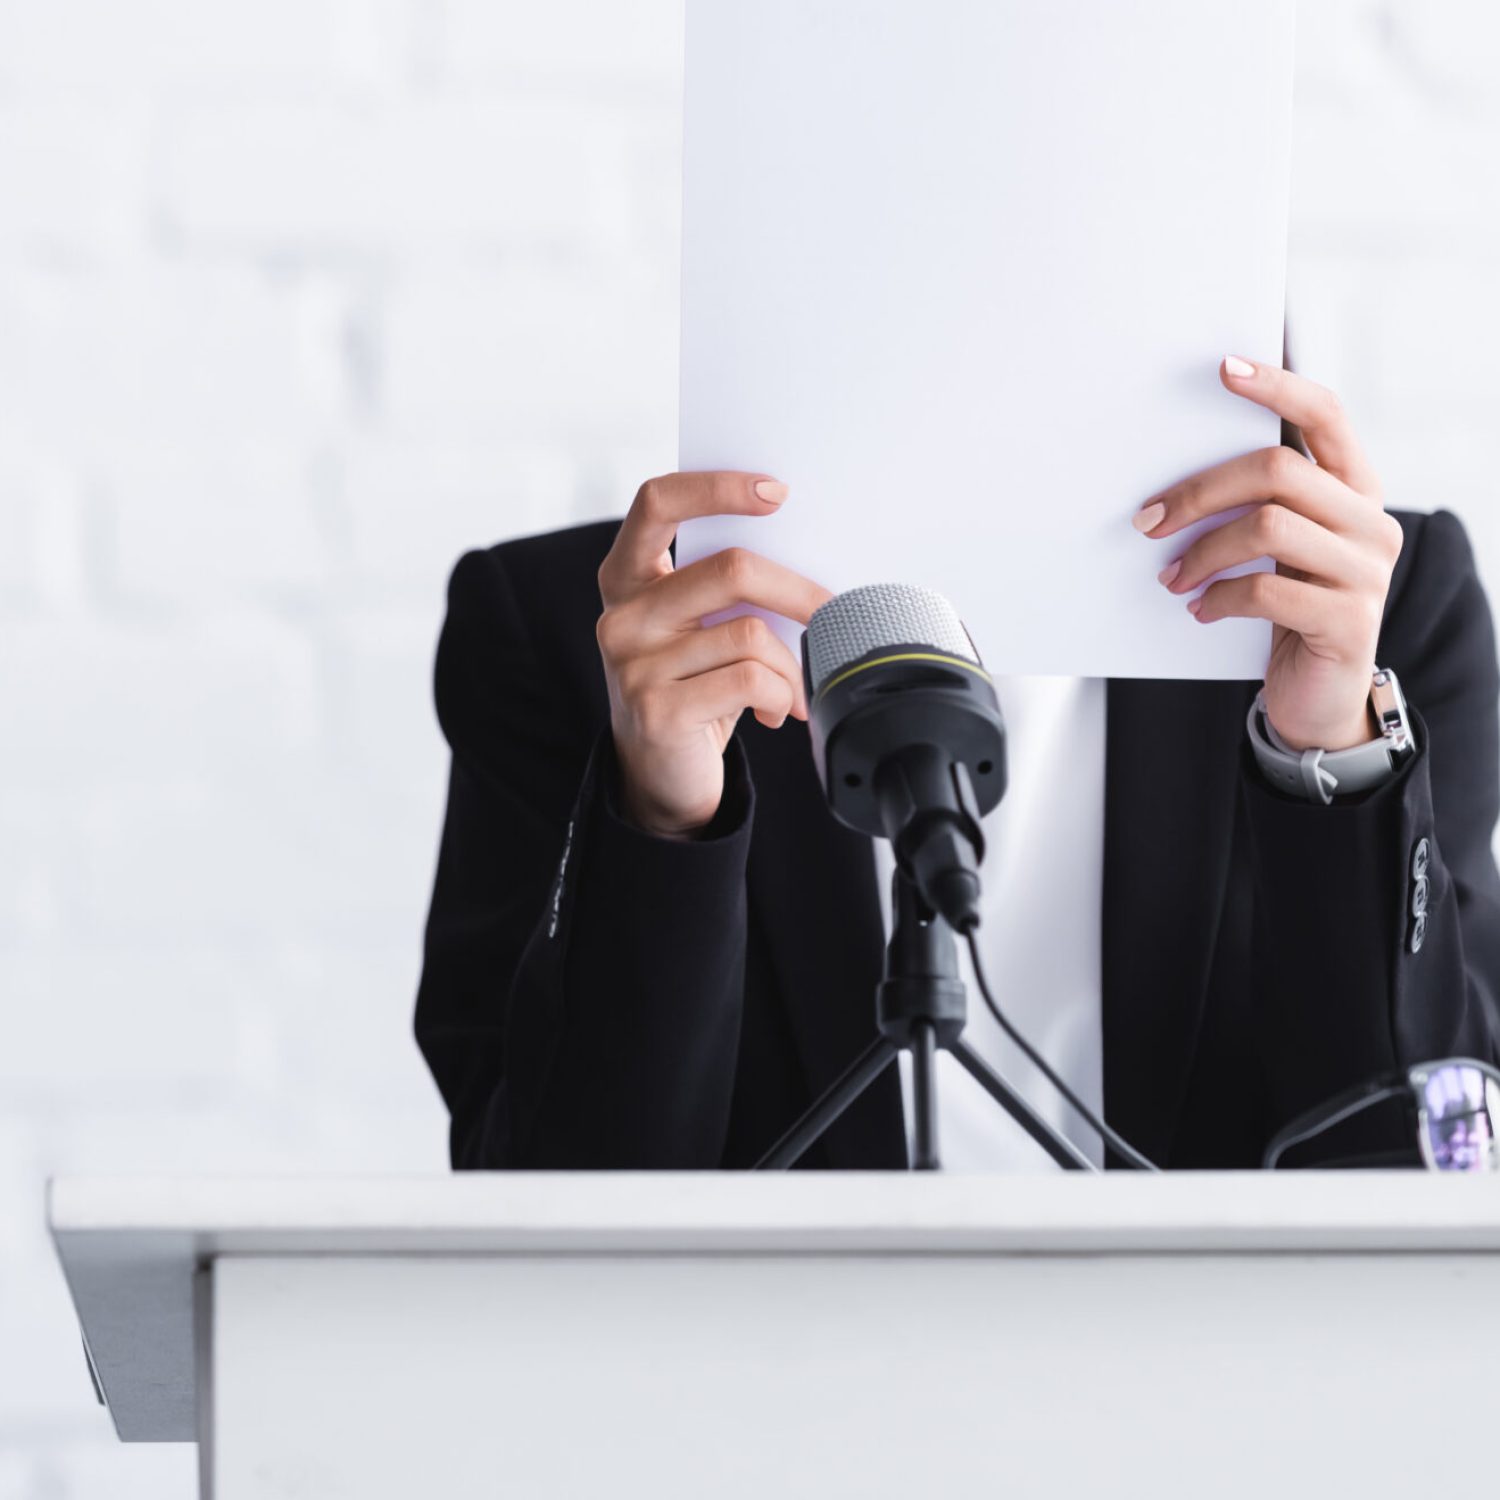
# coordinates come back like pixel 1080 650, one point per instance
pixel 1333 1112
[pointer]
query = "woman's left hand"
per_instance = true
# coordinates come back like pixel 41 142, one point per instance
pixel 1334 548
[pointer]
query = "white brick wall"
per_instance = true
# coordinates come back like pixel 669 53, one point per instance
pixel 299 298
pixel 1396 236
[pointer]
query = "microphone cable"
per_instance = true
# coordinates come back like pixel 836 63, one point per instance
pixel 1113 1138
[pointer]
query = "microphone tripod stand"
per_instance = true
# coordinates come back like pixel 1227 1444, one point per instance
pixel 919 1007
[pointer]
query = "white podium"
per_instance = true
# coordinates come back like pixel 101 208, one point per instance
pixel 805 1335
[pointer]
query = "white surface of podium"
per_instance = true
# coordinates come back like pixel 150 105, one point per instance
pixel 802 1335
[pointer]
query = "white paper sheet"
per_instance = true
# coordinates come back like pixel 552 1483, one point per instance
pixel 961 273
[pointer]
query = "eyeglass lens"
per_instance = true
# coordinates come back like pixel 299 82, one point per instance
pixel 1462 1109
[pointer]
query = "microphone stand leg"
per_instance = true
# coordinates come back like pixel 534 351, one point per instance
pixel 919 1007
pixel 924 1157
pixel 851 1083
pixel 1060 1149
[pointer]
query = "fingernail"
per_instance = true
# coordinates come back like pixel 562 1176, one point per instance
pixel 1149 516
pixel 1194 605
pixel 772 491
pixel 1169 573
pixel 1241 369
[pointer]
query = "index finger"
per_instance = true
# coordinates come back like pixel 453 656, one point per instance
pixel 1313 408
pixel 639 553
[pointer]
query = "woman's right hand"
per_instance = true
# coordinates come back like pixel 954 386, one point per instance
pixel 677 687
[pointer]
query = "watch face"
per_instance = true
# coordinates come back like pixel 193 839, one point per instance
pixel 1389 703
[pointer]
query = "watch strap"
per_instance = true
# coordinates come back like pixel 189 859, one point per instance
pixel 1321 775
pixel 1300 772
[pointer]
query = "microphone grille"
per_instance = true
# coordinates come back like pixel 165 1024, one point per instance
pixel 879 615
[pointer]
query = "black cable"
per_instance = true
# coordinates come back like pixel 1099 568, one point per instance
pixel 1122 1147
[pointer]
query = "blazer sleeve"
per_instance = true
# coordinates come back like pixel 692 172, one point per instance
pixel 582 981
pixel 1348 983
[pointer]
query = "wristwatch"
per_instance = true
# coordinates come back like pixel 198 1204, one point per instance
pixel 1319 775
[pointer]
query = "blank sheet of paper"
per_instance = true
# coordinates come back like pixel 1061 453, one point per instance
pixel 961 272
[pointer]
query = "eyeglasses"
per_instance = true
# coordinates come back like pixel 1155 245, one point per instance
pixel 1457 1102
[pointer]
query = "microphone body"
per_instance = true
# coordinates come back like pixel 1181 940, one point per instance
pixel 907 735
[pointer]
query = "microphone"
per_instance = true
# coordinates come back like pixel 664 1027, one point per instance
pixel 907 735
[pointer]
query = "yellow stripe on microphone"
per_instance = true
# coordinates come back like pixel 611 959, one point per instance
pixel 880 661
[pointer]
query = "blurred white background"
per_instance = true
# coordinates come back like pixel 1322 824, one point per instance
pixel 300 298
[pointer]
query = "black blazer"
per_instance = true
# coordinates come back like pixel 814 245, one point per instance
pixel 595 997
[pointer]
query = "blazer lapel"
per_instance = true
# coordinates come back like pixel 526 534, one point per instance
pixel 812 884
pixel 1171 782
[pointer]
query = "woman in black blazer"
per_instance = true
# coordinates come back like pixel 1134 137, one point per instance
pixel 650 945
